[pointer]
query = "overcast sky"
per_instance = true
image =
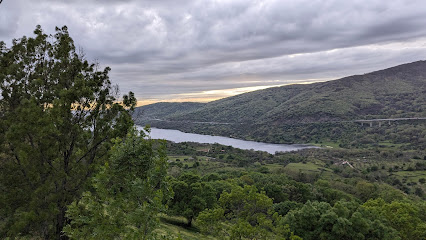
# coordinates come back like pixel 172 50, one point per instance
pixel 183 50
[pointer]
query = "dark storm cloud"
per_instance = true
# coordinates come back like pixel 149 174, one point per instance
pixel 159 48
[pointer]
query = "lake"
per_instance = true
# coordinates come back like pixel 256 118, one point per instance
pixel 178 136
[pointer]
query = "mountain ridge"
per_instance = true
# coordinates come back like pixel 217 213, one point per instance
pixel 393 92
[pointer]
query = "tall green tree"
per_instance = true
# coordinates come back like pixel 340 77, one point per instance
pixel 127 193
pixel 58 114
pixel 249 210
pixel 191 196
pixel 244 213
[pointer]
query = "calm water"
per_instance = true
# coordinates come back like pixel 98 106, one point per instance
pixel 178 136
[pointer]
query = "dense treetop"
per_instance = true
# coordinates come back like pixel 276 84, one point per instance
pixel 58 115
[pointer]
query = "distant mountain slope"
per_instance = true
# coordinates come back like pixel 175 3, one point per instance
pixel 394 92
pixel 164 110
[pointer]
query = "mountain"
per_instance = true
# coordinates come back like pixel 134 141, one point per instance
pixel 164 110
pixel 394 92
pixel 305 112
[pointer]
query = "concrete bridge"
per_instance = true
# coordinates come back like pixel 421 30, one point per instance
pixel 389 120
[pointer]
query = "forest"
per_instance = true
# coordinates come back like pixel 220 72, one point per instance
pixel 73 166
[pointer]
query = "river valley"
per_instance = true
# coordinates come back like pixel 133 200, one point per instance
pixel 178 136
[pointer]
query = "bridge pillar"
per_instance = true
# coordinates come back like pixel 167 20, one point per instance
pixel 380 124
pixel 371 124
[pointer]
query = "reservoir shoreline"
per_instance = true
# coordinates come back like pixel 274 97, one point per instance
pixel 179 136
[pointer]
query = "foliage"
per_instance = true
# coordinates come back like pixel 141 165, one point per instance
pixel 191 196
pixel 243 213
pixel 345 220
pixel 249 210
pixel 406 217
pixel 209 221
pixel 127 193
pixel 58 114
pixel 245 203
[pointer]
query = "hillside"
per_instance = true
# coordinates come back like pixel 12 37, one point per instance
pixel 276 114
pixel 394 92
pixel 164 110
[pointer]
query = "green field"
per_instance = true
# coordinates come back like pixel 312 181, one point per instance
pixel 411 176
pixel 307 167
pixel 174 227
pixel 326 144
pixel 175 157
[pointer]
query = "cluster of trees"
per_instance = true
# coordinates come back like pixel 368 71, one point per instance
pixel 125 195
pixel 59 118
pixel 309 205
pixel 272 206
pixel 374 164
pixel 231 155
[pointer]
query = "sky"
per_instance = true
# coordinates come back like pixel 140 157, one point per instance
pixel 202 50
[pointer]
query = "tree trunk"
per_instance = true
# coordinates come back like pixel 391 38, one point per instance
pixel 60 223
pixel 189 224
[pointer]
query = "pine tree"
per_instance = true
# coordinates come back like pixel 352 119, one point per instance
pixel 58 114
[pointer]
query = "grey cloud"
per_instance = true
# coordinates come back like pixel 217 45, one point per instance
pixel 163 47
pixel 274 71
pixel 9 17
